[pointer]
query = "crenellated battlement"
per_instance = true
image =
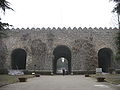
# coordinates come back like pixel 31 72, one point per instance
pixel 64 28
pixel 82 44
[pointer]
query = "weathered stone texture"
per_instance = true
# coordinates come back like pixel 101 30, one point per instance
pixel 3 54
pixel 39 44
pixel 38 54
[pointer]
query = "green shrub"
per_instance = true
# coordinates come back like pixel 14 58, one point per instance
pixel 117 71
pixel 117 57
pixel 41 72
pixel 3 71
pixel 83 72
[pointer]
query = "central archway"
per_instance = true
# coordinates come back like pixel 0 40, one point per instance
pixel 61 51
pixel 18 59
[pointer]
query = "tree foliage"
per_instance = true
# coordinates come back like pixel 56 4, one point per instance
pixel 116 0
pixel 116 9
pixel 3 6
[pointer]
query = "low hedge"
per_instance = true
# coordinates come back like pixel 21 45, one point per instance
pixel 3 71
pixel 117 71
pixel 83 72
pixel 43 72
pixel 49 72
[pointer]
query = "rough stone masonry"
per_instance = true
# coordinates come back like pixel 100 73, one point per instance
pixel 84 48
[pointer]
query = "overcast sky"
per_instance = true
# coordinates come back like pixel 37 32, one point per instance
pixel 60 13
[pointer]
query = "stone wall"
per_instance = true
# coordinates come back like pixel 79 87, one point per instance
pixel 84 44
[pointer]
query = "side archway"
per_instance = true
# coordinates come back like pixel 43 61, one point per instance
pixel 104 59
pixel 59 52
pixel 18 59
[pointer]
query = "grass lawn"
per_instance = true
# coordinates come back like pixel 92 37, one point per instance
pixel 113 78
pixel 8 79
pixel 110 78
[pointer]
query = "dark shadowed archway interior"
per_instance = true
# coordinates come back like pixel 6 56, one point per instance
pixel 62 52
pixel 18 59
pixel 105 58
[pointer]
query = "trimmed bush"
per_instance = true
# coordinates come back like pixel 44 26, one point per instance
pixel 3 71
pixel 111 70
pixel 100 79
pixel 43 72
pixel 37 75
pixel 117 71
pixel 87 75
pixel 22 79
pixel 83 72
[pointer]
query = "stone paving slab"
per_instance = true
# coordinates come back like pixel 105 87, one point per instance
pixel 3 84
pixel 78 82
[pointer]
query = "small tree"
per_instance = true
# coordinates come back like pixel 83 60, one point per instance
pixel 3 6
pixel 116 9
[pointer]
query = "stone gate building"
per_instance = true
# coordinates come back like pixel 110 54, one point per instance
pixel 40 49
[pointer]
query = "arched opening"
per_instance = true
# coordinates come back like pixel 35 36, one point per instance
pixel 62 52
pixel 18 59
pixel 104 59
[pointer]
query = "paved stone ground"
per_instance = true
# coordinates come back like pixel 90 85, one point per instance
pixel 61 83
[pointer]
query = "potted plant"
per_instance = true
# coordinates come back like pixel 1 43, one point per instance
pixel 22 79
pixel 37 75
pixel 100 79
pixel 87 75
